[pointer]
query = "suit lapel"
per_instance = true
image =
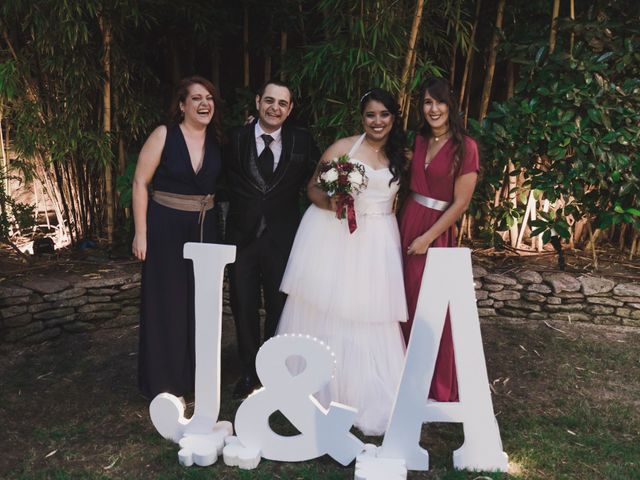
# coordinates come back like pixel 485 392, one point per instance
pixel 249 156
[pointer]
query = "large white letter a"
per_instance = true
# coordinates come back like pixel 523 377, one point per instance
pixel 447 282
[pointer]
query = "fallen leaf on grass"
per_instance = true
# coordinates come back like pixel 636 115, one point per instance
pixel 553 328
pixel 111 465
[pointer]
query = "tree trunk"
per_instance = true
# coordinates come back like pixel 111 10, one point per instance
pixel 491 64
pixel 105 27
pixel 403 97
pixel 554 26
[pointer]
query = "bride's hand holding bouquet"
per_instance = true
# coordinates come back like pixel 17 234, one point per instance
pixel 341 179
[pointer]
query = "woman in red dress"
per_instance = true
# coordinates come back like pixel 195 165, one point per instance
pixel 444 171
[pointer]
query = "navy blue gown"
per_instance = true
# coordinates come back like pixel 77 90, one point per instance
pixel 166 361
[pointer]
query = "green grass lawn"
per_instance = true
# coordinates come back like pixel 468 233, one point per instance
pixel 566 397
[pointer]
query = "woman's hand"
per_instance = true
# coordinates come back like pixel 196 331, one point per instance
pixel 332 203
pixel 420 245
pixel 139 247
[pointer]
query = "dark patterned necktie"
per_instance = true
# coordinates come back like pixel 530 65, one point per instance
pixel 265 160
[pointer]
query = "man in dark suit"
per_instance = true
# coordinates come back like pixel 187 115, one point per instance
pixel 267 164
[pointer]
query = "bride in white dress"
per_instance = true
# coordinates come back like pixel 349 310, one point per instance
pixel 347 288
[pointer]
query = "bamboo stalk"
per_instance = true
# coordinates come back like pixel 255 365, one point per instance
pixel 5 160
pixel 513 231
pixel 454 48
pixel 245 47
pixel 535 242
pixel 409 57
pixel 527 213
pixel 572 15
pixel 592 242
pixel 463 224
pixel 554 26
pixel 469 61
pixel 491 63
pixel 405 113
pixel 634 244
pixel 215 65
pixel 623 231
pixel 283 53
pixel 105 27
pixel 511 179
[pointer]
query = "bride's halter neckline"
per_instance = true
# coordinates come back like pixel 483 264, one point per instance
pixel 377 150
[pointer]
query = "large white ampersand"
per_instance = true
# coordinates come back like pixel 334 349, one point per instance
pixel 322 431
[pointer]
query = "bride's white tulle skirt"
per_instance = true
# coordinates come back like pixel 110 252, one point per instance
pixel 347 290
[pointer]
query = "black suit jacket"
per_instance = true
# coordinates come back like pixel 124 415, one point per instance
pixel 251 199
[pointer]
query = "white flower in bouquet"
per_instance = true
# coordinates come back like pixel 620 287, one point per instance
pixel 355 178
pixel 330 175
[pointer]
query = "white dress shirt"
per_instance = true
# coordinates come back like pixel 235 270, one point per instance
pixel 276 145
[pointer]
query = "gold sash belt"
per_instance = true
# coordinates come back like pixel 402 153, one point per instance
pixel 186 203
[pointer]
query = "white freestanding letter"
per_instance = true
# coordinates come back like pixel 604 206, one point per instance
pixel 447 282
pixel 321 431
pixel 201 437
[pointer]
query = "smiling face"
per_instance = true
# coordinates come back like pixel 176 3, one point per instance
pixel 377 120
pixel 274 106
pixel 198 106
pixel 436 114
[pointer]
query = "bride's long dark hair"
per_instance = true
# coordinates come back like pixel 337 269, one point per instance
pixel 396 146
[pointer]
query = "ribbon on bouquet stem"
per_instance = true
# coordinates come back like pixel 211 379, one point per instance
pixel 346 201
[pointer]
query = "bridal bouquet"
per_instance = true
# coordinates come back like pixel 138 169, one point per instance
pixel 343 178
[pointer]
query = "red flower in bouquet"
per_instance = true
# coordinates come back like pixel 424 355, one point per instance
pixel 343 178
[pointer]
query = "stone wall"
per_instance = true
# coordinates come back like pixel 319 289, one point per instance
pixel 527 294
pixel 42 307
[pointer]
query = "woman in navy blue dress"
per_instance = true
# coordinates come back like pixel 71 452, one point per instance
pixel 173 194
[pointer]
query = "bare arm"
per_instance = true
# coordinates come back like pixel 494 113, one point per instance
pixel 148 162
pixel 318 196
pixel 462 193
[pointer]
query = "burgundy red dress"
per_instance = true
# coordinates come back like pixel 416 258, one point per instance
pixel 435 181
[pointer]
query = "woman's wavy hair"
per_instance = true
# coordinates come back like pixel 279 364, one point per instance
pixel 396 145
pixel 440 90
pixel 182 90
